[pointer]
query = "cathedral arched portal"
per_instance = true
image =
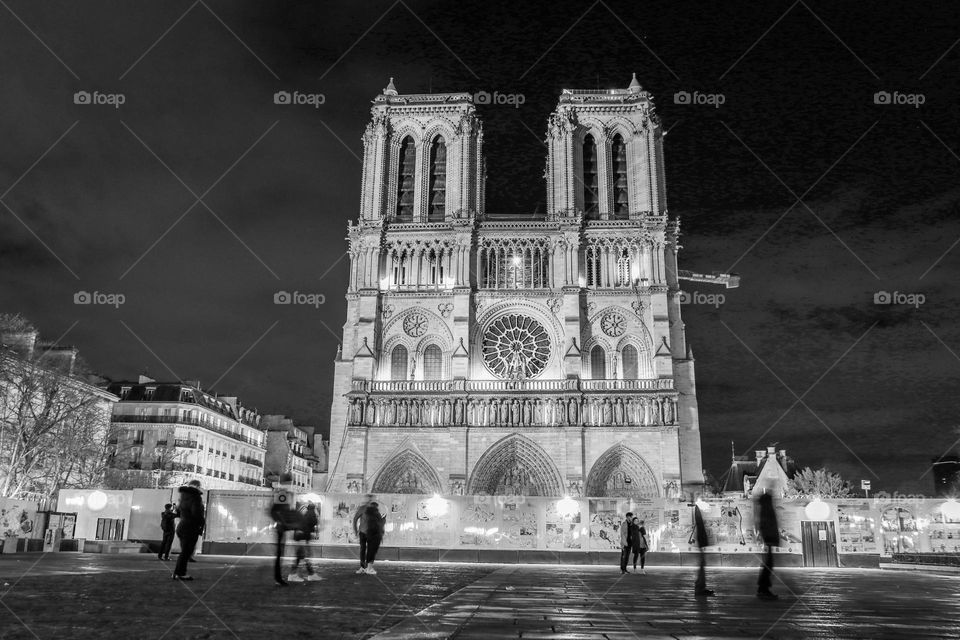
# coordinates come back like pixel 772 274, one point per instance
pixel 407 472
pixel 621 472
pixel 515 466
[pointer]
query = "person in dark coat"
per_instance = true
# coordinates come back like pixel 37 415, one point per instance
pixel 368 524
pixel 305 531
pixel 169 528
pixel 625 542
pixel 766 521
pixel 192 523
pixel 639 544
pixel 700 537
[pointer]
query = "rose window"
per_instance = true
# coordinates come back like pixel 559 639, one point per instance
pixel 516 347
pixel 613 324
pixel 415 324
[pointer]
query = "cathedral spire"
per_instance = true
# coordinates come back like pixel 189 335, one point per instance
pixel 391 90
pixel 635 85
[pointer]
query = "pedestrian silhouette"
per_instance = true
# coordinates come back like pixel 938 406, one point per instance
pixel 368 524
pixel 192 522
pixel 169 528
pixel 625 542
pixel 700 537
pixel 304 531
pixel 639 544
pixel 766 523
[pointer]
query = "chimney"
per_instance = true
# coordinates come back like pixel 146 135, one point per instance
pixel 772 451
pixel 760 454
pixel 783 454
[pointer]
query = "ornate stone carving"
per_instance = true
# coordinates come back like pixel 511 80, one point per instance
pixel 445 309
pixel 415 324
pixel 554 304
pixel 613 324
pixel 387 311
pixel 516 347
pixel 638 307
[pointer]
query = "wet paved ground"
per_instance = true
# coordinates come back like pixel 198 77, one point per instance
pixel 93 596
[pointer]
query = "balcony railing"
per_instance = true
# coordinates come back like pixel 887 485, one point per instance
pixel 498 386
pixel 205 424
pixel 247 459
pixel 185 444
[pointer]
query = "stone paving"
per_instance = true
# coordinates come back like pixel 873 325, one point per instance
pixel 93 596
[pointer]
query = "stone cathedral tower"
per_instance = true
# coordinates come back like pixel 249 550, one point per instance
pixel 514 354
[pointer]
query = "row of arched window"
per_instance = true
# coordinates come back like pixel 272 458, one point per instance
pixel 591 178
pixel 631 365
pixel 400 368
pixel 406 180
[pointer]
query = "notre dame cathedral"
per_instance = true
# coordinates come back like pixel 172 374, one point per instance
pixel 538 355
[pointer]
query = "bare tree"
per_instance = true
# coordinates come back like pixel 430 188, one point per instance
pixel 820 483
pixel 53 426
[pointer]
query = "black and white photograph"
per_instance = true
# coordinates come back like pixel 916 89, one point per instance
pixel 423 319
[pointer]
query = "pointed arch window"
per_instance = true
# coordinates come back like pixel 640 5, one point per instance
pixel 591 184
pixel 432 363
pixel 398 363
pixel 598 363
pixel 621 203
pixel 438 180
pixel 623 268
pixel 631 362
pixel 405 179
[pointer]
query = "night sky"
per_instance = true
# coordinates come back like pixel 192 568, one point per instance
pixel 799 182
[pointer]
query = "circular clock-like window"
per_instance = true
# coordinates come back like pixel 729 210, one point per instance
pixel 613 324
pixel 516 347
pixel 415 324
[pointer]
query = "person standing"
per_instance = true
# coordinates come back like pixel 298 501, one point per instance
pixel 700 534
pixel 625 542
pixel 192 522
pixel 169 528
pixel 368 524
pixel 638 541
pixel 766 522
pixel 304 532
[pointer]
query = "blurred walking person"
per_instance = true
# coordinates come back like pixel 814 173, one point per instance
pixel 701 540
pixel 169 528
pixel 304 532
pixel 625 542
pixel 766 523
pixel 192 523
pixel 368 524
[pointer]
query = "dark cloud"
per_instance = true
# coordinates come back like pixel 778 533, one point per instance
pixel 199 291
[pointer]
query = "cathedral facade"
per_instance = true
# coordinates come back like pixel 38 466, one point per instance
pixel 538 355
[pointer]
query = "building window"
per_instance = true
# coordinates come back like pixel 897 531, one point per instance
pixel 623 269
pixel 398 363
pixel 591 197
pixel 148 393
pixel 621 205
pixel 438 179
pixel 432 363
pixel 594 261
pixel 598 363
pixel 124 392
pixel 631 363
pixel 405 179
